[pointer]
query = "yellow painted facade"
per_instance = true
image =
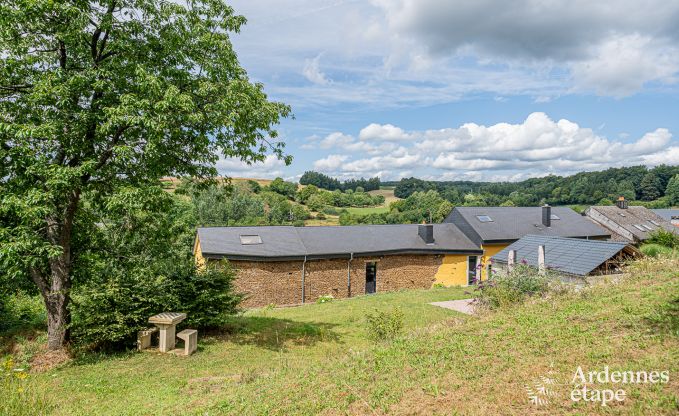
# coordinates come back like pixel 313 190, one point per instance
pixel 198 255
pixel 453 270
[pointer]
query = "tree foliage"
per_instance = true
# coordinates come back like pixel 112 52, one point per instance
pixel 97 96
pixel 323 181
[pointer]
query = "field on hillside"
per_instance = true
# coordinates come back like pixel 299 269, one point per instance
pixel 317 358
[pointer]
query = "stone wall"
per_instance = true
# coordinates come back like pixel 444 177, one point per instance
pixel 280 283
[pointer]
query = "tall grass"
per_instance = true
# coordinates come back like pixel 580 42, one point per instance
pixel 20 396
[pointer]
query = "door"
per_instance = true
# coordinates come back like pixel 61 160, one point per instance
pixel 370 277
pixel 472 263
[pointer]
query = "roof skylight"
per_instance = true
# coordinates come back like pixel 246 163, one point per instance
pixel 654 223
pixel 554 217
pixel 247 240
pixel 639 227
pixel 484 218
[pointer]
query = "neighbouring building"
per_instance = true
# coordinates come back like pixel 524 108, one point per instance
pixel 570 257
pixel 494 228
pixel 631 224
pixel 671 215
pixel 286 265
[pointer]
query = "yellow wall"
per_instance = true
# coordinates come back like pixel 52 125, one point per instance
pixel 488 252
pixel 198 255
pixel 453 269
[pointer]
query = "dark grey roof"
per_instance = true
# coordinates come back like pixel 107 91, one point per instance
pixel 634 216
pixel 667 214
pixel 286 242
pixel 567 255
pixel 511 223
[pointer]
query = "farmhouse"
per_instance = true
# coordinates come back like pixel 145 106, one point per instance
pixel 494 228
pixel 286 265
pixel 631 224
pixel 573 257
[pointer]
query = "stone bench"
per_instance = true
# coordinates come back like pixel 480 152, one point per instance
pixel 144 338
pixel 190 337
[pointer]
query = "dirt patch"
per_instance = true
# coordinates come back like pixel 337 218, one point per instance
pixel 45 360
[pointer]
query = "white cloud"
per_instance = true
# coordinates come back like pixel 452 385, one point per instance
pixel 271 167
pixel 503 151
pixel 330 163
pixel 385 132
pixel 622 65
pixel 313 73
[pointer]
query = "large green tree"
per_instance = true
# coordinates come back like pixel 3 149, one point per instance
pixel 99 95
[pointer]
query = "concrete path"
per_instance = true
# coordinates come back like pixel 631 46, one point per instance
pixel 462 305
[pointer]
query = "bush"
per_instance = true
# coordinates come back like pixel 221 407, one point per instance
pixel 331 211
pixel 107 313
pixel 654 250
pixel 384 325
pixel 511 288
pixel 20 310
pixel 320 216
pixel 664 238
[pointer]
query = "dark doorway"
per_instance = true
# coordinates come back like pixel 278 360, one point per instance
pixel 471 269
pixel 370 277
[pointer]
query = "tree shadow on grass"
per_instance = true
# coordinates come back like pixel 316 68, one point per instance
pixel 275 334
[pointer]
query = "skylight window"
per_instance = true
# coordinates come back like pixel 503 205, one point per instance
pixel 647 227
pixel 654 223
pixel 248 240
pixel 621 214
pixel 554 217
pixel 484 218
pixel 639 227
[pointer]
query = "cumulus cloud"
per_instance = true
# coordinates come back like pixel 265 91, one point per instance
pixel 312 71
pixel 503 151
pixel 613 48
pixel 330 163
pixel 271 167
pixel 386 132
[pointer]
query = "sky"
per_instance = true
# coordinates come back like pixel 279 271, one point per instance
pixel 464 90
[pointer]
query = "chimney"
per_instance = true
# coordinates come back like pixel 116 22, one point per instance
pixel 546 215
pixel 621 203
pixel 426 233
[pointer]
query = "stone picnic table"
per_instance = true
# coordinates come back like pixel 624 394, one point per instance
pixel 166 323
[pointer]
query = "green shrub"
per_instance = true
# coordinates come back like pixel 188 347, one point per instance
pixel 502 290
pixel 107 313
pixel 331 211
pixel 654 250
pixel 20 310
pixel 664 238
pixel 320 216
pixel 384 325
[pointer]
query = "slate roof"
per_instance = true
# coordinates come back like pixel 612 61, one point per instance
pixel 573 256
pixel 634 215
pixel 667 214
pixel 511 223
pixel 291 243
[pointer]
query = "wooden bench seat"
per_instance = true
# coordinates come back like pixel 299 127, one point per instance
pixel 190 337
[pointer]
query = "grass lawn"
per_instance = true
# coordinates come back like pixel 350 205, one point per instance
pixel 317 358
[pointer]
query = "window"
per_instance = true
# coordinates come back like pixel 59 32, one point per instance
pixel 554 217
pixel 247 240
pixel 647 227
pixel 484 218
pixel 639 227
pixel 621 214
pixel 654 223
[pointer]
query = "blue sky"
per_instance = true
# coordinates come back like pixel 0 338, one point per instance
pixel 469 90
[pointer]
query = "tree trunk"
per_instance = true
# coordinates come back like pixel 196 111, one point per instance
pixel 56 289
